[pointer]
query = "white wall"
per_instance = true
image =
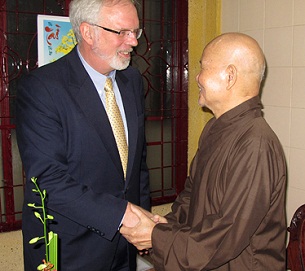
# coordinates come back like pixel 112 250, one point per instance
pixel 279 27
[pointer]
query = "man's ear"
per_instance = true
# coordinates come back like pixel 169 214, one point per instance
pixel 231 76
pixel 86 31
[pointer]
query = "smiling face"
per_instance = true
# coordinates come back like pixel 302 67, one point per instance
pixel 110 47
pixel 104 50
pixel 211 80
pixel 232 66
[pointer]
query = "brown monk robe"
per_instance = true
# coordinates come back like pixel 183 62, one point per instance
pixel 231 214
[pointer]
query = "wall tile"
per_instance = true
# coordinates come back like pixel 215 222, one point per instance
pixel 230 19
pixel 277 87
pixel 278 46
pixel 299 45
pixel 295 198
pixel 296 170
pixel 251 14
pixel 279 120
pixel 297 128
pixel 299 8
pixel 279 13
pixel 298 84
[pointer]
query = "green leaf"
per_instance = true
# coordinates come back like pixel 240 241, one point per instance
pixel 35 190
pixel 50 217
pixel 53 249
pixel 34 240
pixel 41 266
pixel 51 234
pixel 33 179
pixel 37 215
pixel 31 205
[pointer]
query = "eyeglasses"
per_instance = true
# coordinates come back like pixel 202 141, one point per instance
pixel 124 33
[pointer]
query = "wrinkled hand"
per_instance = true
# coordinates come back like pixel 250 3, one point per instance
pixel 140 234
pixel 159 219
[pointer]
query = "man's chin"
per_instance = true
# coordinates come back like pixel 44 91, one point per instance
pixel 121 66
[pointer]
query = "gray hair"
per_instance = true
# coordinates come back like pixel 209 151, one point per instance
pixel 88 11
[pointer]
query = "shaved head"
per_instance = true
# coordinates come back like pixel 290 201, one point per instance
pixel 232 69
pixel 240 50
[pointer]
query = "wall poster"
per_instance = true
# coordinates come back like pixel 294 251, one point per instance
pixel 55 38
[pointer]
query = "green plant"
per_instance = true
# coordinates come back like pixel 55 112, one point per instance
pixel 50 238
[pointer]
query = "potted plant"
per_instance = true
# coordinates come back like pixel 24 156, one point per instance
pixel 50 238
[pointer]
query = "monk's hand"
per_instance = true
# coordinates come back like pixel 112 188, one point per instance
pixel 159 219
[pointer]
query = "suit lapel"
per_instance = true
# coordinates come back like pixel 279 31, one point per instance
pixel 86 96
pixel 131 117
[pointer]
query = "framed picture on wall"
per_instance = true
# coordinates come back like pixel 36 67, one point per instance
pixel 55 38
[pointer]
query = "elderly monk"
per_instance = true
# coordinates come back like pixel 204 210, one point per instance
pixel 231 214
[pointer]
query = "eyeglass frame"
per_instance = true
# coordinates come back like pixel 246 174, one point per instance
pixel 119 33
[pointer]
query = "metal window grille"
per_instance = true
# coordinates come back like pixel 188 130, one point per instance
pixel 161 57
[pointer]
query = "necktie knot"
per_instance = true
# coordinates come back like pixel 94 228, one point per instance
pixel 108 85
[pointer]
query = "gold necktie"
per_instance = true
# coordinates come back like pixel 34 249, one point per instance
pixel 116 122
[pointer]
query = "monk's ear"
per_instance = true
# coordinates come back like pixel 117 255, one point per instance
pixel 231 76
pixel 86 31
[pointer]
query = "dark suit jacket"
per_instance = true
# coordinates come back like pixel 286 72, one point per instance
pixel 66 141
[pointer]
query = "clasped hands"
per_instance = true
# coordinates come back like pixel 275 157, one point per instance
pixel 138 225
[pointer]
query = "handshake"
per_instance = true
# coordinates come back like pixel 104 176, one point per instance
pixel 137 226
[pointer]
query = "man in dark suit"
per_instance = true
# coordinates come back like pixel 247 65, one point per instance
pixel 66 140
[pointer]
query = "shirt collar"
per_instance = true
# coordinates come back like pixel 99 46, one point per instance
pixel 97 78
